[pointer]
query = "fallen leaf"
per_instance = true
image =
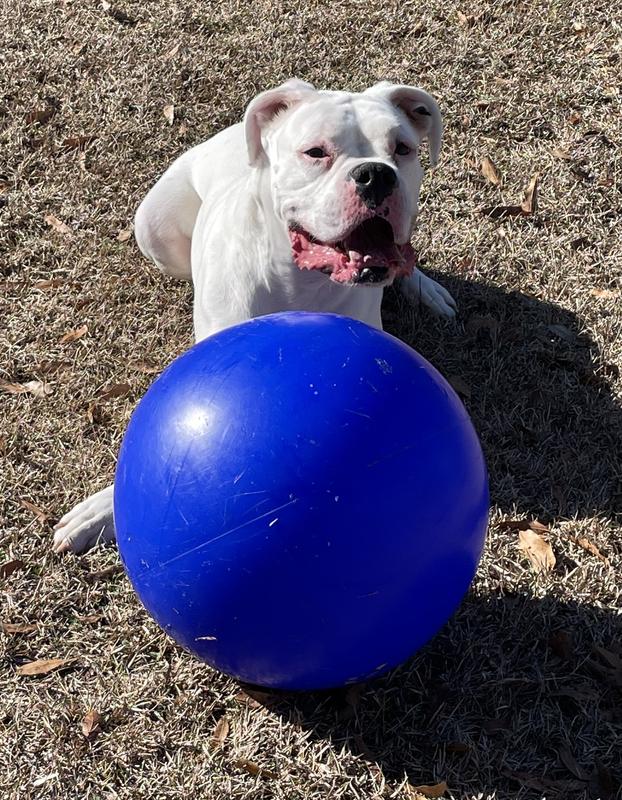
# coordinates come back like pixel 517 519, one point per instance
pixel 123 236
pixel 91 724
pixel 94 414
pixel 430 790
pixel 90 619
pixel 247 700
pixel 41 515
pixel 579 27
pixel 559 152
pixel 102 574
pixel 72 336
pixel 172 52
pixel 118 14
pixel 145 366
pixel 255 769
pixel 562 645
pixel 574 118
pixel 530 198
pixel 57 224
pixel 605 294
pixel 40 115
pixel 460 386
pixel 490 171
pixel 169 113
pixel 569 761
pixel 42 666
pixel 183 128
pixel 523 525
pixel 51 283
pixel 12 388
pixel 463 19
pixel 38 388
pixel 9 567
pixel 539 552
pixel 220 733
pixel 77 142
pixel 363 748
pixel 115 390
pixel 18 627
pixel 591 548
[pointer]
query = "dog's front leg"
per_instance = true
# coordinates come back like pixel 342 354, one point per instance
pixel 418 288
pixel 87 524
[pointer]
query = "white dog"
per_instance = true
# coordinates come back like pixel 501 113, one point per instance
pixel 309 204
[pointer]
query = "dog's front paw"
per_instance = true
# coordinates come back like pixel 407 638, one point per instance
pixel 421 289
pixel 87 524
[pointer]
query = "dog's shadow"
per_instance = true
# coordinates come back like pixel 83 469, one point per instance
pixel 516 696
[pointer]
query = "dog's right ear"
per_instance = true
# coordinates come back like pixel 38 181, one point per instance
pixel 264 108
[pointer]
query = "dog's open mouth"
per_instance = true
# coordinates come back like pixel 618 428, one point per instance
pixel 368 255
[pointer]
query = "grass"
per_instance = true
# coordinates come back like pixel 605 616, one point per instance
pixel 519 695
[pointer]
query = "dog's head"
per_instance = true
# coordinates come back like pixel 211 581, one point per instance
pixel 345 173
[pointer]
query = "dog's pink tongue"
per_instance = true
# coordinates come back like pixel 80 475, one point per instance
pixel 344 267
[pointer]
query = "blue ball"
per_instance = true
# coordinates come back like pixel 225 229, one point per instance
pixel 301 501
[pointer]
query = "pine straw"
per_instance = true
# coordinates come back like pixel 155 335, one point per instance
pixel 513 689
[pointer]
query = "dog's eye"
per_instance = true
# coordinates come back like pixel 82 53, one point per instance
pixel 316 152
pixel 402 149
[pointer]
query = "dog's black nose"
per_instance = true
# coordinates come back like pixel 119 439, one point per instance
pixel 374 182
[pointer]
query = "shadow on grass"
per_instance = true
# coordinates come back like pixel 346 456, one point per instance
pixel 538 392
pixel 515 696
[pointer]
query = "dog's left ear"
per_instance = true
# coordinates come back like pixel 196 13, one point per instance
pixel 265 107
pixel 421 109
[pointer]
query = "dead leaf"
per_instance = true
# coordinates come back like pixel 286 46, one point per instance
pixel 169 113
pixel 41 515
pixel 523 525
pixel 490 171
pixel 247 700
pixel 460 386
pixel 254 769
pixel 18 627
pixel 9 567
pixel 72 336
pixel 530 198
pixel 118 14
pixel 559 152
pixel 562 645
pixel 183 128
pixel 591 548
pixel 574 118
pixel 94 414
pixel 12 388
pixel 115 390
pixel 579 27
pixel 220 733
pixel 51 283
pixel 91 724
pixel 90 619
pixel 569 761
pixel 124 235
pixel 172 52
pixel 42 666
pixel 605 294
pixel 58 225
pixel 40 115
pixel 102 574
pixel 539 552
pixel 463 19
pixel 38 388
pixel 430 790
pixel 144 366
pixel 77 142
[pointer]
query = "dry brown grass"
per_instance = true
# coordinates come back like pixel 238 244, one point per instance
pixel 498 701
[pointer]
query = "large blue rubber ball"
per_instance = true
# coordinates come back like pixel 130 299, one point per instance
pixel 301 501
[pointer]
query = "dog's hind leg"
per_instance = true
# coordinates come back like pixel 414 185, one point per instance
pixel 165 219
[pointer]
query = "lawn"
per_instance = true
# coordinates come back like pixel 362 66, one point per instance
pixel 519 695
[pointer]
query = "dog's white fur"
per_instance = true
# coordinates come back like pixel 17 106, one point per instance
pixel 220 216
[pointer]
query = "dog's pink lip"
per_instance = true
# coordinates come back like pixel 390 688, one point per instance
pixel 367 253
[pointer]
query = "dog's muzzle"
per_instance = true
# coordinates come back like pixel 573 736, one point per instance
pixel 374 182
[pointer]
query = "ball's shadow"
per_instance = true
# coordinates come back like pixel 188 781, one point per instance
pixel 500 699
pixel 538 391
